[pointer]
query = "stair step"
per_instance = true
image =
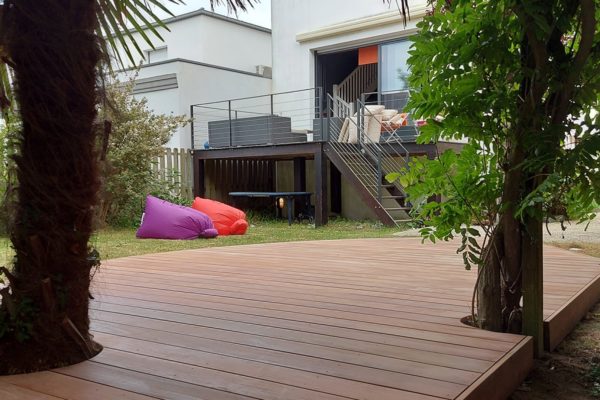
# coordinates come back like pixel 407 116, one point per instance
pixel 399 209
pixel 358 163
pixel 394 197
pixel 354 154
pixel 384 185
pixel 363 174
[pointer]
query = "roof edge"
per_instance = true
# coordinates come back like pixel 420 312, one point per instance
pixel 203 11
pixel 207 13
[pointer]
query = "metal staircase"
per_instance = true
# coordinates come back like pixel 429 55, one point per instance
pixel 365 163
pixel 362 80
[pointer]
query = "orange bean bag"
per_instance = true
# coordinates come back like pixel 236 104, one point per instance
pixel 226 219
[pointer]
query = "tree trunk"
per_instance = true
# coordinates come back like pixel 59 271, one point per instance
pixel 533 288
pixel 489 309
pixel 516 271
pixel 55 53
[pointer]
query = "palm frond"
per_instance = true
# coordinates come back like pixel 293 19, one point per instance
pixel 234 5
pixel 403 8
pixel 118 20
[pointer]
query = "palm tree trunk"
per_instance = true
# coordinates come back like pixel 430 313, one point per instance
pixel 54 53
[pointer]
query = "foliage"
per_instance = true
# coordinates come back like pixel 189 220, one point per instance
pixel 466 68
pixel 594 377
pixel 516 80
pixel 136 140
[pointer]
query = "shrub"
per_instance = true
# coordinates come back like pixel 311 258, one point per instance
pixel 136 139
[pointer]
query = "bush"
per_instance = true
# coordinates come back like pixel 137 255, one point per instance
pixel 136 139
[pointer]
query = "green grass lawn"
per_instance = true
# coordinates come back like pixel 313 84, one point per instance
pixel 114 243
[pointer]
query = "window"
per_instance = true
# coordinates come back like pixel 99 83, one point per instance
pixel 156 55
pixel 393 70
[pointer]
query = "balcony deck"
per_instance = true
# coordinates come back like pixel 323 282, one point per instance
pixel 350 319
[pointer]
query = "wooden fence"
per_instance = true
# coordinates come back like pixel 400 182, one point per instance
pixel 175 168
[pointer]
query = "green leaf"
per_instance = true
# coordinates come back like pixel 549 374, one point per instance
pixel 116 17
pixel 393 176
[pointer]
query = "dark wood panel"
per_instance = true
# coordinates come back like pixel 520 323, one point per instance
pixel 505 376
pixel 560 323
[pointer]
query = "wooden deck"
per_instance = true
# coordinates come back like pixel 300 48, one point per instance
pixel 353 319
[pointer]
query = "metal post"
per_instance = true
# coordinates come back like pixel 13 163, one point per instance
pixel 379 175
pixel 230 131
pixel 359 117
pixel 289 199
pixel 361 112
pixel 335 95
pixel 319 97
pixel 271 103
pixel 330 115
pixel 321 203
pixel 192 124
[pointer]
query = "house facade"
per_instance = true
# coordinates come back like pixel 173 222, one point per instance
pixel 327 43
pixel 204 57
pixel 317 43
pixel 315 104
pixel 335 121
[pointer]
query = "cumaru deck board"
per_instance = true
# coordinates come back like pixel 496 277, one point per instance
pixel 350 319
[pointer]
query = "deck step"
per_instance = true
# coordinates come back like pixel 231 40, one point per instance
pixel 399 209
pixel 359 163
pixel 350 153
pixel 384 185
pixel 394 197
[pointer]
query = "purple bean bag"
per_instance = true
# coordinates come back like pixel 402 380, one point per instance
pixel 164 220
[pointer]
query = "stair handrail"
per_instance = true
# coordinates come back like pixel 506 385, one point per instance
pixel 341 107
pixel 357 82
pixel 384 155
pixel 369 171
pixel 343 148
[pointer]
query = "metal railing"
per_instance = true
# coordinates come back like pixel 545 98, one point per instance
pixel 369 153
pixel 388 151
pixel 350 153
pixel 362 79
pixel 278 118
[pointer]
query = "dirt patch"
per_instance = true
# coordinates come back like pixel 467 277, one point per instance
pixel 572 372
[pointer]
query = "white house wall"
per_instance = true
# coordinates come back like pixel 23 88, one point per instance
pixel 203 84
pixel 195 84
pixel 209 58
pixel 293 60
pixel 232 45
pixel 209 38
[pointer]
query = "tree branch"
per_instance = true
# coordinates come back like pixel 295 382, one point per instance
pixel 588 29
